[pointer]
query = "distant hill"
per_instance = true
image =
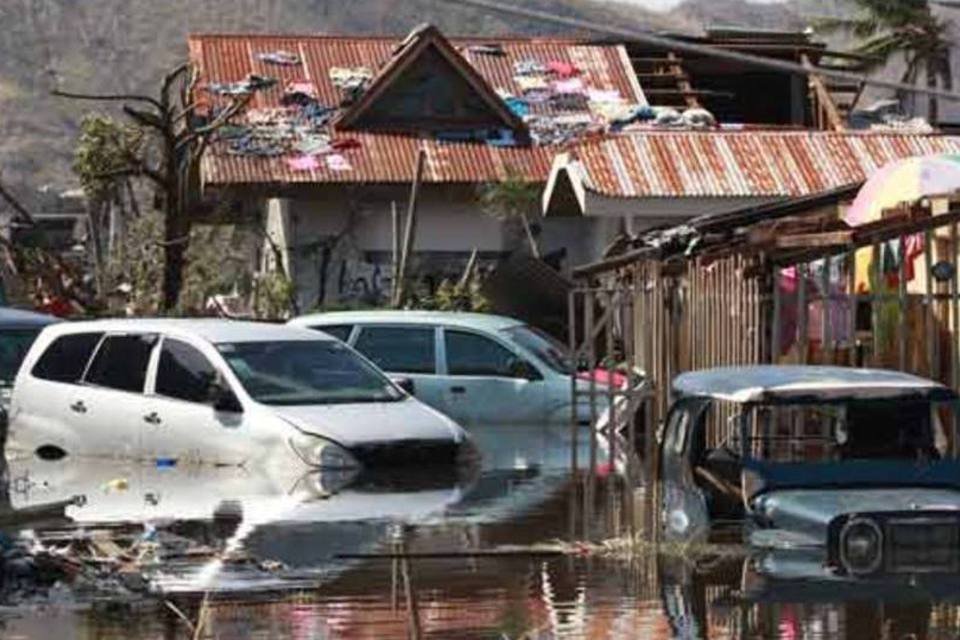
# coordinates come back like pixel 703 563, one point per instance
pixel 126 45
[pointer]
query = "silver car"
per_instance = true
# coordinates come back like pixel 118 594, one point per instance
pixel 476 368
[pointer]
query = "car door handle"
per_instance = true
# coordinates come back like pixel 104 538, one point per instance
pixel 152 418
pixel 78 407
pixel 458 389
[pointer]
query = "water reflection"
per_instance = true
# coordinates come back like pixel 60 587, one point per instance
pixel 522 495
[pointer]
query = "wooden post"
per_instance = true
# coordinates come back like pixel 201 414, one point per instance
pixel 399 291
pixel 395 225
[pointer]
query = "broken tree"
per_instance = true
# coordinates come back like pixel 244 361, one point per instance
pixel 175 141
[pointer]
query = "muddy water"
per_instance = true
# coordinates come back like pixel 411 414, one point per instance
pixel 330 574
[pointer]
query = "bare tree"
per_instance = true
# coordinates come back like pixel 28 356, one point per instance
pixel 177 140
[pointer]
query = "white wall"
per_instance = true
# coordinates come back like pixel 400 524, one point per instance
pixel 449 221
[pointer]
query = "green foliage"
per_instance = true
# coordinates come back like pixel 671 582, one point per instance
pixel 216 264
pixel 887 28
pixel 454 297
pixel 273 294
pixel 104 150
pixel 512 197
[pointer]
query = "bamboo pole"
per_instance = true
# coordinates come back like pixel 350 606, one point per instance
pixel 399 291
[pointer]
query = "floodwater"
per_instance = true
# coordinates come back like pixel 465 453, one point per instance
pixel 331 545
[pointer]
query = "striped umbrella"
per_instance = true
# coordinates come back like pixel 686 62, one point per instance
pixel 900 181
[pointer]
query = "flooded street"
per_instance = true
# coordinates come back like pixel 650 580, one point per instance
pixel 423 553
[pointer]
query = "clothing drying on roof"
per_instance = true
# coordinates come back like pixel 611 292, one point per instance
pixel 284 58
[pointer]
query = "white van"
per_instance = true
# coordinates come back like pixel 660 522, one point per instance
pixel 218 392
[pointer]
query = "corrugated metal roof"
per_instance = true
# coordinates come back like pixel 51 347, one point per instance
pixel 390 157
pixel 744 163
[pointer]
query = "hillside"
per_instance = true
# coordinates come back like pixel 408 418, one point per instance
pixel 126 45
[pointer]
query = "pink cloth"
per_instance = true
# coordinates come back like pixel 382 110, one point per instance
pixel 574 86
pixel 305 88
pixel 303 163
pixel 336 162
pixel 562 69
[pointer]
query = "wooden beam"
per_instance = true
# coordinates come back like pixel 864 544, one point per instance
pixel 811 240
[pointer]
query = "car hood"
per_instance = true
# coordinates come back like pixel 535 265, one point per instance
pixel 809 511
pixel 354 424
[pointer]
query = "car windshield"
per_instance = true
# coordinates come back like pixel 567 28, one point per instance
pixel 14 344
pixel 548 349
pixel 854 430
pixel 305 372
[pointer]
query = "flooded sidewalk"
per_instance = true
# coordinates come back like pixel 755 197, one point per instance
pixel 493 553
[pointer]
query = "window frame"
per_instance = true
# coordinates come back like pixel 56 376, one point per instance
pixel 350 334
pixel 501 343
pixel 83 371
pixel 150 366
pixel 154 370
pixel 438 362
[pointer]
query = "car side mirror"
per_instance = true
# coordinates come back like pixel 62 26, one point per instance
pixel 223 398
pixel 404 383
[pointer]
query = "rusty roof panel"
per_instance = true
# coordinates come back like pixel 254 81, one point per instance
pixel 744 163
pixel 385 158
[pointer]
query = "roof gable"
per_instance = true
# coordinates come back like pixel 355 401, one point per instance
pixel 428 86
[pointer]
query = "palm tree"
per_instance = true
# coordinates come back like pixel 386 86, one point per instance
pixel 886 28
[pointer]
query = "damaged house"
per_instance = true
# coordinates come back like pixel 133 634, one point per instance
pixel 330 141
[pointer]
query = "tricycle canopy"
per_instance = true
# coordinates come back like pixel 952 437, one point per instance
pixel 798 383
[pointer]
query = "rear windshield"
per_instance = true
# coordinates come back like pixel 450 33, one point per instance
pixel 306 373
pixel 855 430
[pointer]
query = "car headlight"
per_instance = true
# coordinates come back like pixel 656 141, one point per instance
pixel 861 546
pixel 321 453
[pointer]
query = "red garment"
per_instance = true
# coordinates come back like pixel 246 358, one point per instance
pixel 562 69
pixel 56 307
pixel 345 143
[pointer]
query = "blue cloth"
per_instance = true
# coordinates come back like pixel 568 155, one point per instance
pixel 518 106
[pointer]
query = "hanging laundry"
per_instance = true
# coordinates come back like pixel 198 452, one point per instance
pixel 537 96
pixel 531 83
pixel 314 115
pixel 569 102
pixel 350 77
pixel 228 88
pixel 279 57
pixel 267 115
pixel 667 117
pixel 517 106
pixel 345 143
pixel 562 69
pixel 612 111
pixel 299 93
pixel 253 146
pixel 529 67
pixel 257 82
pixel 487 49
pixel 303 163
pixel 313 144
pixel 698 118
pixel 604 95
pixel 634 113
pixel 571 86
pixel 337 162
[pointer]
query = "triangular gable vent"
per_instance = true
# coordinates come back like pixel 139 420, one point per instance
pixel 428 86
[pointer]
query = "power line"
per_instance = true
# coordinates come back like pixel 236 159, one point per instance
pixel 675 44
